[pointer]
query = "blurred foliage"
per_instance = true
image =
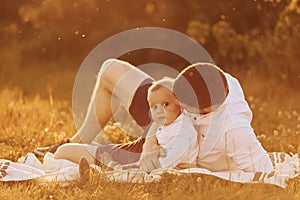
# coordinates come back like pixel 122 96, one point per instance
pixel 257 35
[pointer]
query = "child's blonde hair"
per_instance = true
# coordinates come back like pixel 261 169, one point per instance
pixel 166 82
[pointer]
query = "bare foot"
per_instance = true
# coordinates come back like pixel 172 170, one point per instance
pixel 84 170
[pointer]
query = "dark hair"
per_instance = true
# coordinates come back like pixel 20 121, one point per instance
pixel 201 85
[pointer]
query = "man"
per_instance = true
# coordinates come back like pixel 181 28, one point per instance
pixel 214 100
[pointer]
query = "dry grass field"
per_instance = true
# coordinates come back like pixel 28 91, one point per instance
pixel 43 41
pixel 39 112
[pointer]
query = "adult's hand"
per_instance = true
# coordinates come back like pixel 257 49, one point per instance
pixel 149 161
pixel 162 152
pixel 151 151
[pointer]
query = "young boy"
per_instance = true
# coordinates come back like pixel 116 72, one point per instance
pixel 176 134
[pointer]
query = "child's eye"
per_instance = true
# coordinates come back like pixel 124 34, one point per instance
pixel 165 104
pixel 154 107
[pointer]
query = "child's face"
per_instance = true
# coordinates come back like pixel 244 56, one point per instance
pixel 164 106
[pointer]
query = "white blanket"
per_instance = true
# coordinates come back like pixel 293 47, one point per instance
pixel 29 167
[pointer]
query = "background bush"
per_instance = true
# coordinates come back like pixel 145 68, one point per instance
pixel 258 35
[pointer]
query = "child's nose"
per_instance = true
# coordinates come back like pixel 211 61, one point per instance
pixel 160 109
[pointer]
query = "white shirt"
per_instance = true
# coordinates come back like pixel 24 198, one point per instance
pixel 226 139
pixel 179 139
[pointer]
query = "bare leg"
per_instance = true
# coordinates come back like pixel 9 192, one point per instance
pixel 94 121
pixel 100 109
pixel 74 152
pixel 118 82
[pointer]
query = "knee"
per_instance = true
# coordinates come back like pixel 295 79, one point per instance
pixel 107 64
pixel 111 71
pixel 113 65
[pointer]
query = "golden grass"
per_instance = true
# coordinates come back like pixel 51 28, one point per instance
pixel 29 120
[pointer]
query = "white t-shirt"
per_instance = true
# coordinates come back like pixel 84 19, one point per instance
pixel 179 140
pixel 226 139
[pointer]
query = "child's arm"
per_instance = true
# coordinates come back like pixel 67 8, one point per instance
pixel 179 148
pixel 149 157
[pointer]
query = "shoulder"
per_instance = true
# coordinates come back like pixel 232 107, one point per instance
pixel 187 126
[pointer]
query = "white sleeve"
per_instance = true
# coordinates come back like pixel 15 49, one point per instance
pixel 246 151
pixel 179 146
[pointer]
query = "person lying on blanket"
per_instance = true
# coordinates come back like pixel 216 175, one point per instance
pixel 176 134
pixel 213 99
